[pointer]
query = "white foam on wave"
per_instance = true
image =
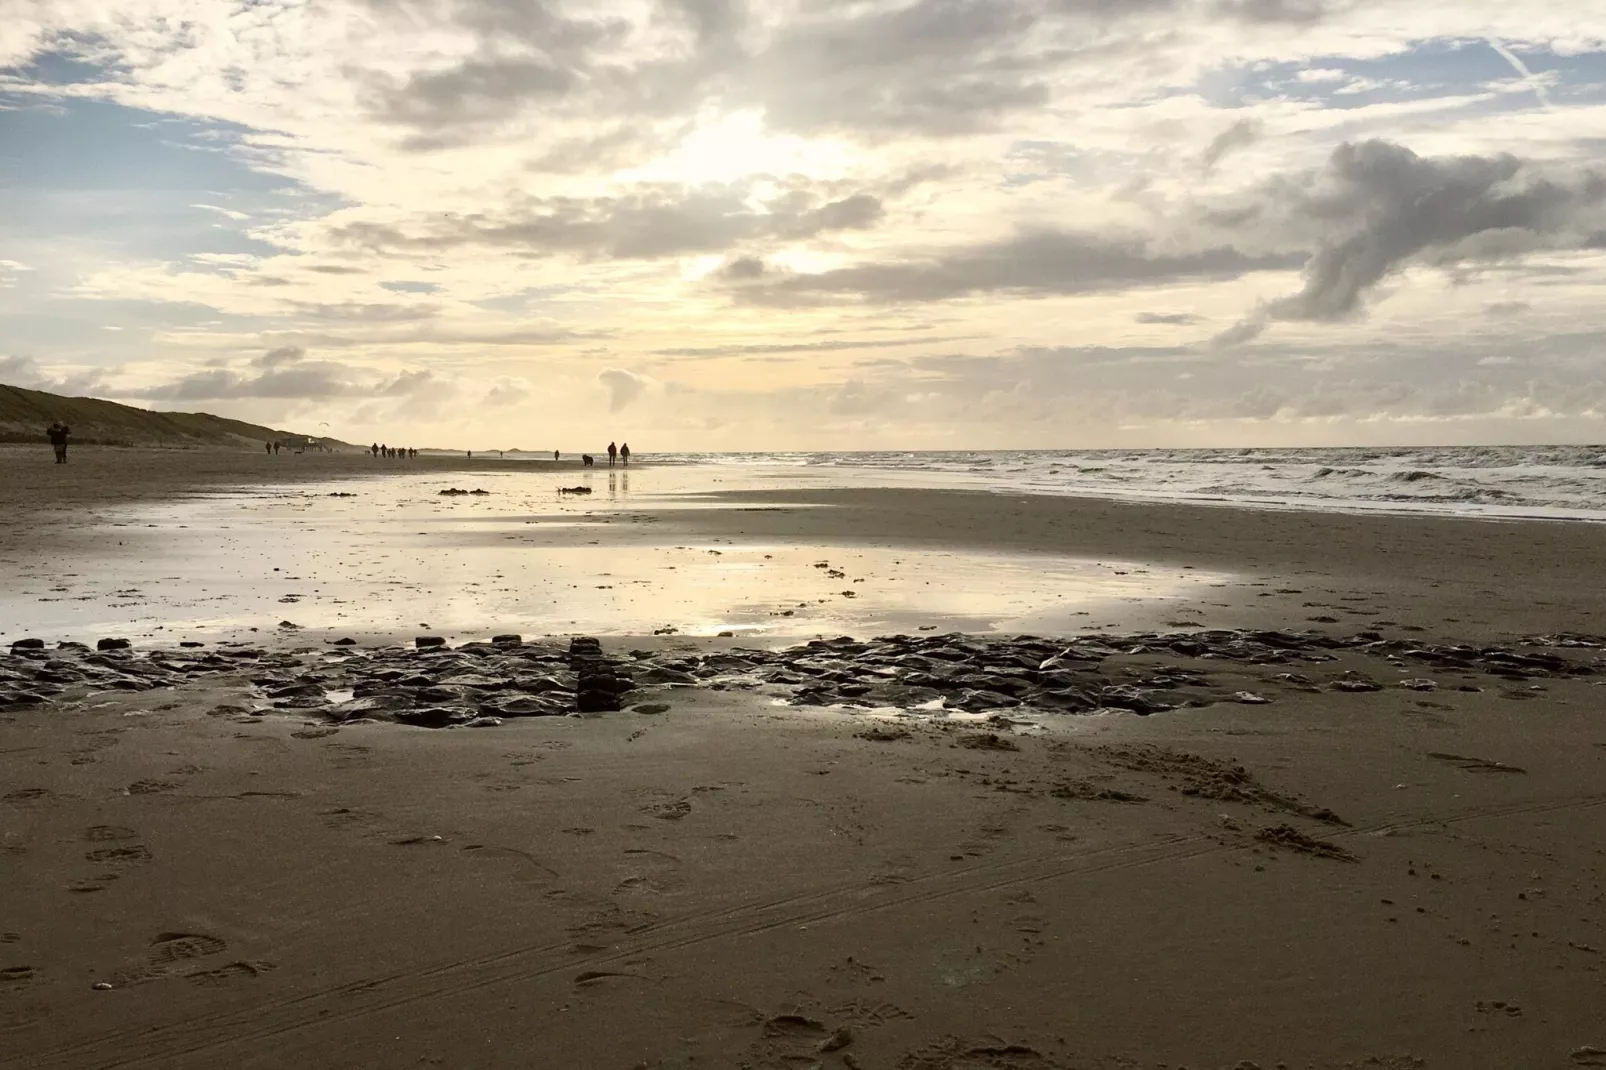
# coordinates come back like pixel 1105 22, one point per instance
pixel 1550 482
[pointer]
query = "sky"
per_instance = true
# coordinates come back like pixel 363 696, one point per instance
pixel 801 224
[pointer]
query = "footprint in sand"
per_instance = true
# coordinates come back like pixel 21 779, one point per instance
pixel 669 810
pixel 27 795
pixel 165 951
pixel 234 971
pixel 133 855
pixel 109 833
pixel 172 947
pixel 16 977
pixel 151 787
pixel 651 873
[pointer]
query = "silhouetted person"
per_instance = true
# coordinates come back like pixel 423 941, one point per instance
pixel 554 455
pixel 374 449
pixel 275 447
pixel 57 433
pixel 613 454
pixel 268 446
pixel 624 454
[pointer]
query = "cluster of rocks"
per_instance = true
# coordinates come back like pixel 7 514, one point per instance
pixel 452 492
pixel 31 675
pixel 435 685
pixel 980 674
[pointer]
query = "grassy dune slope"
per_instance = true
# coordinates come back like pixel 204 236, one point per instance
pixel 24 415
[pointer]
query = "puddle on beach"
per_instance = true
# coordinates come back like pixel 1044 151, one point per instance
pixel 394 558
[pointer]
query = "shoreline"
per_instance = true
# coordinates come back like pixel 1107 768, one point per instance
pixel 672 548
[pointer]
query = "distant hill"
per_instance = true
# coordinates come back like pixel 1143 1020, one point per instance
pixel 24 415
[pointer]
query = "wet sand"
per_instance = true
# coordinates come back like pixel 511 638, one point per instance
pixel 732 882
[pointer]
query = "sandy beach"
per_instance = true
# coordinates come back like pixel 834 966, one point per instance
pixel 1303 789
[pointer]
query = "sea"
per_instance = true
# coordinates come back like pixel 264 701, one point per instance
pixel 1548 482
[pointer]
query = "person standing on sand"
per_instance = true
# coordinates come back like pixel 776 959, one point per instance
pixel 624 454
pixel 268 448
pixel 554 455
pixel 613 454
pixel 57 433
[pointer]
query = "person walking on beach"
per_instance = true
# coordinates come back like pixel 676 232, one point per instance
pixel 554 455
pixel 57 433
pixel 613 454
pixel 268 448
pixel 624 454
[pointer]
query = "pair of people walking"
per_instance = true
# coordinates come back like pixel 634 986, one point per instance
pixel 617 453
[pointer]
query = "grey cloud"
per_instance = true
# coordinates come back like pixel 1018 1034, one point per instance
pixel 335 269
pixel 1287 12
pixel 1172 319
pixel 1035 262
pixel 797 347
pixel 936 67
pixel 1377 208
pixel 652 223
pixel 285 374
pixel 25 372
pixel 623 387
pixel 743 267
pixel 474 91
pixel 1506 308
pixel 365 312
pixel 279 357
pixel 1239 135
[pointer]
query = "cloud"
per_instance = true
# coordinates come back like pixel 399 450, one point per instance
pixel 623 387
pixel 1377 208
pixel 1173 319
pixel 506 391
pixel 1241 134
pixel 1502 309
pixel 25 372
pixel 761 349
pixel 285 373
pixel 1037 262
pixel 650 223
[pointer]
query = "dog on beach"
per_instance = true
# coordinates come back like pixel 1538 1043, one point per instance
pixel 587 460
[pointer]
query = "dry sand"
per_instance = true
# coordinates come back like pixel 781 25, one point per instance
pixel 731 883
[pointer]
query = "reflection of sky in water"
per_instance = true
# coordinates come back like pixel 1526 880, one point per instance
pixel 399 558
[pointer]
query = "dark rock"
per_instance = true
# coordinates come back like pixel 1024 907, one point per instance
pixel 1126 697
pixel 435 716
pixel 344 641
pixel 113 644
pixel 551 704
pixel 428 642
pixel 597 702
pixel 27 644
pixel 660 675
pixel 508 640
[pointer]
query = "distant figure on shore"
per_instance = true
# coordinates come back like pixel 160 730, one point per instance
pixel 276 448
pixel 613 454
pixel 57 433
pixel 586 460
pixel 471 455
pixel 374 449
pixel 554 455
pixel 624 454
pixel 268 447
